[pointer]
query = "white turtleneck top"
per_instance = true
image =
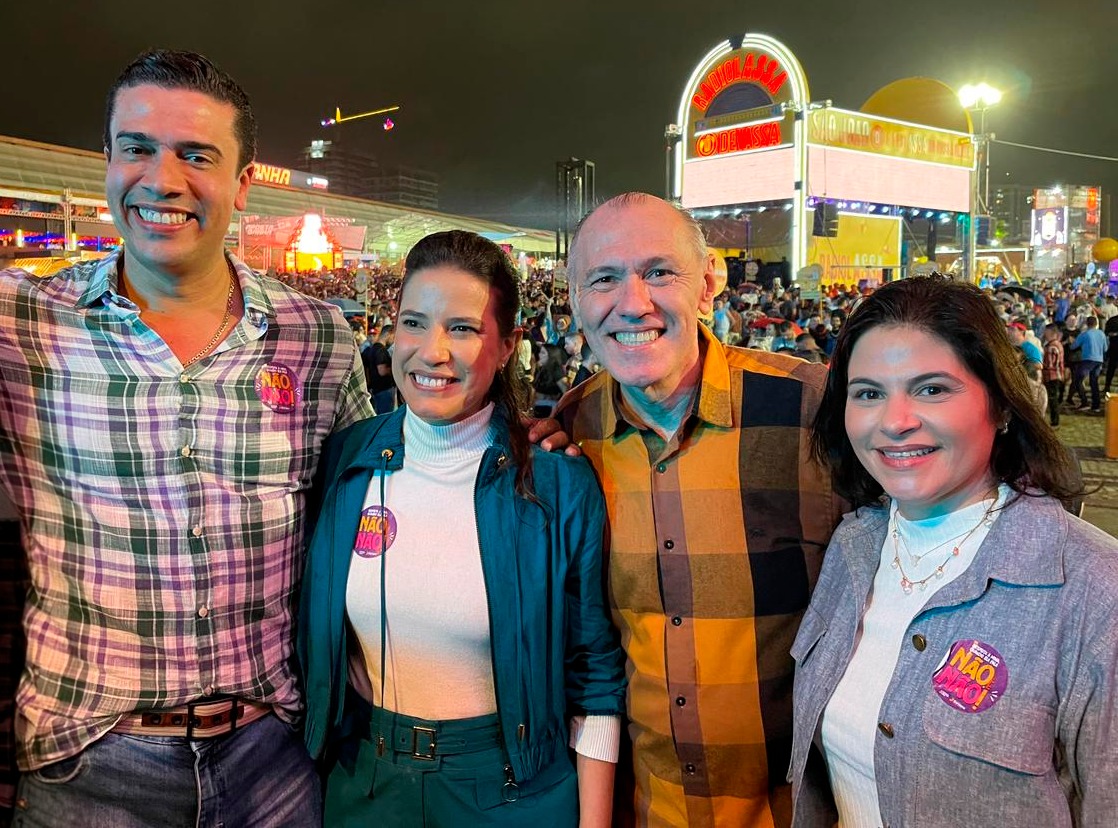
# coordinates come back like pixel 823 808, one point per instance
pixel 851 716
pixel 439 654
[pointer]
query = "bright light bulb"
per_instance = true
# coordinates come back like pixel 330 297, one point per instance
pixel 971 95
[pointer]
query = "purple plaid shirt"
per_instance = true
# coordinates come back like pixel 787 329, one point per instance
pixel 162 506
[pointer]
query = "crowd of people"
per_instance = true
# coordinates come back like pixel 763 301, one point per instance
pixel 718 586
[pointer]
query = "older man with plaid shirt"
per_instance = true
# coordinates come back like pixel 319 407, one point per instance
pixel 717 517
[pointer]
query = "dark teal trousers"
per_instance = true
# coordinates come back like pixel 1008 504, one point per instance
pixel 397 785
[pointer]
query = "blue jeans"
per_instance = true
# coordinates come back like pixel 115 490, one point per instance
pixel 261 776
pixel 1088 369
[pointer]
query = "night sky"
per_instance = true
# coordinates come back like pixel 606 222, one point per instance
pixel 495 92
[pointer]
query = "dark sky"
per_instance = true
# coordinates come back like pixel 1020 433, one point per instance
pixel 494 92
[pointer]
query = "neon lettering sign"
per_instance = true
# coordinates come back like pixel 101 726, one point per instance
pixel 762 70
pixel 738 139
pixel 271 175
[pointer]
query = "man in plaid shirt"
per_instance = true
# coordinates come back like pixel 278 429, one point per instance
pixel 718 519
pixel 161 413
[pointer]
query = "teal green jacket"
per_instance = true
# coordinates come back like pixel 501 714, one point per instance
pixel 555 651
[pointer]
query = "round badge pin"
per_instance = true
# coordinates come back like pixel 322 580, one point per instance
pixel 278 387
pixel 375 532
pixel 972 677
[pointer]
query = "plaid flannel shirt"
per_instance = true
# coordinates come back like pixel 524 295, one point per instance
pixel 716 540
pixel 13 588
pixel 162 506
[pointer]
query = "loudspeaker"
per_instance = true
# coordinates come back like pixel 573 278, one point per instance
pixel 825 221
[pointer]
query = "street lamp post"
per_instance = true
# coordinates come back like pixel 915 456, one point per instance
pixel 977 98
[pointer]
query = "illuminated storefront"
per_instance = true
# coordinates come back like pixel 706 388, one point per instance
pixel 52 204
pixel 775 175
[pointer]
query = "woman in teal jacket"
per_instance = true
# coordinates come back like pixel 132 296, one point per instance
pixel 453 630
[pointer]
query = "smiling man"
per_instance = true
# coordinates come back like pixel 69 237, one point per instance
pixel 162 415
pixel 718 518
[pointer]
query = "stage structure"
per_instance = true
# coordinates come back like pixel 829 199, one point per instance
pixel 780 179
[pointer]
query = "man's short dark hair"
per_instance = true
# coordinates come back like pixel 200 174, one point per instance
pixel 171 69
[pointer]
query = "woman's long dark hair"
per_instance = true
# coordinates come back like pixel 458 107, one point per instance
pixel 547 376
pixel 1028 457
pixel 486 261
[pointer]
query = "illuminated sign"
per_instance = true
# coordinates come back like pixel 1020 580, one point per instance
pixel 749 116
pixel 742 66
pixel 283 177
pixel 863 247
pixel 867 133
pixel 738 139
pixel 268 174
pixel 740 100
pixel 1050 227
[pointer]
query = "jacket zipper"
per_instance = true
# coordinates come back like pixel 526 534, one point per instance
pixel 510 788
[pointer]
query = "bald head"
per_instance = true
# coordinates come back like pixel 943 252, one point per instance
pixel 620 202
pixel 640 276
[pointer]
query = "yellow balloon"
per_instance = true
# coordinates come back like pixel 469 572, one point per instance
pixel 1105 250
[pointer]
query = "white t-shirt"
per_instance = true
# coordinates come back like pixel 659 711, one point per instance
pixel 851 716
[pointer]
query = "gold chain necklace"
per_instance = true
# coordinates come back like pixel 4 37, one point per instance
pixel 221 328
pixel 907 584
pixel 917 558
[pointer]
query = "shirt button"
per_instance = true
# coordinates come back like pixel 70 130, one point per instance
pixel 184 377
pixel 669 544
pixel 663 467
pixel 886 729
pixel 185 451
pixel 196 531
pixel 919 642
pixel 676 620
pixel 690 768
pixel 680 701
pixel 203 612
pixel 208 690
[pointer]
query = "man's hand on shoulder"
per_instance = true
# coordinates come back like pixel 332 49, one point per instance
pixel 548 434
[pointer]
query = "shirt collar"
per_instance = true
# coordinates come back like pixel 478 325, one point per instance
pixel 712 404
pixel 252 288
pixel 103 281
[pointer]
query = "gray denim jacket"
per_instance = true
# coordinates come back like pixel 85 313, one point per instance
pixel 1001 710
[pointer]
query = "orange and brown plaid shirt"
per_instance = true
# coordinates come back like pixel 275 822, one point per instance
pixel 716 540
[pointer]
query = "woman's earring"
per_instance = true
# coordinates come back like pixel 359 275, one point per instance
pixel 1004 428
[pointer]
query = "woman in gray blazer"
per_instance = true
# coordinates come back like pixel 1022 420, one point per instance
pixel 958 663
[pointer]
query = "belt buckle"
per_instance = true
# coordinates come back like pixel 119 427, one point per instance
pixel 191 718
pixel 193 721
pixel 429 754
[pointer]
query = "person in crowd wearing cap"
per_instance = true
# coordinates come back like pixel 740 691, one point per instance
pixel 958 664
pixel 1018 336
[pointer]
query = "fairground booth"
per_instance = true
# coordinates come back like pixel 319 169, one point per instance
pixel 782 182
